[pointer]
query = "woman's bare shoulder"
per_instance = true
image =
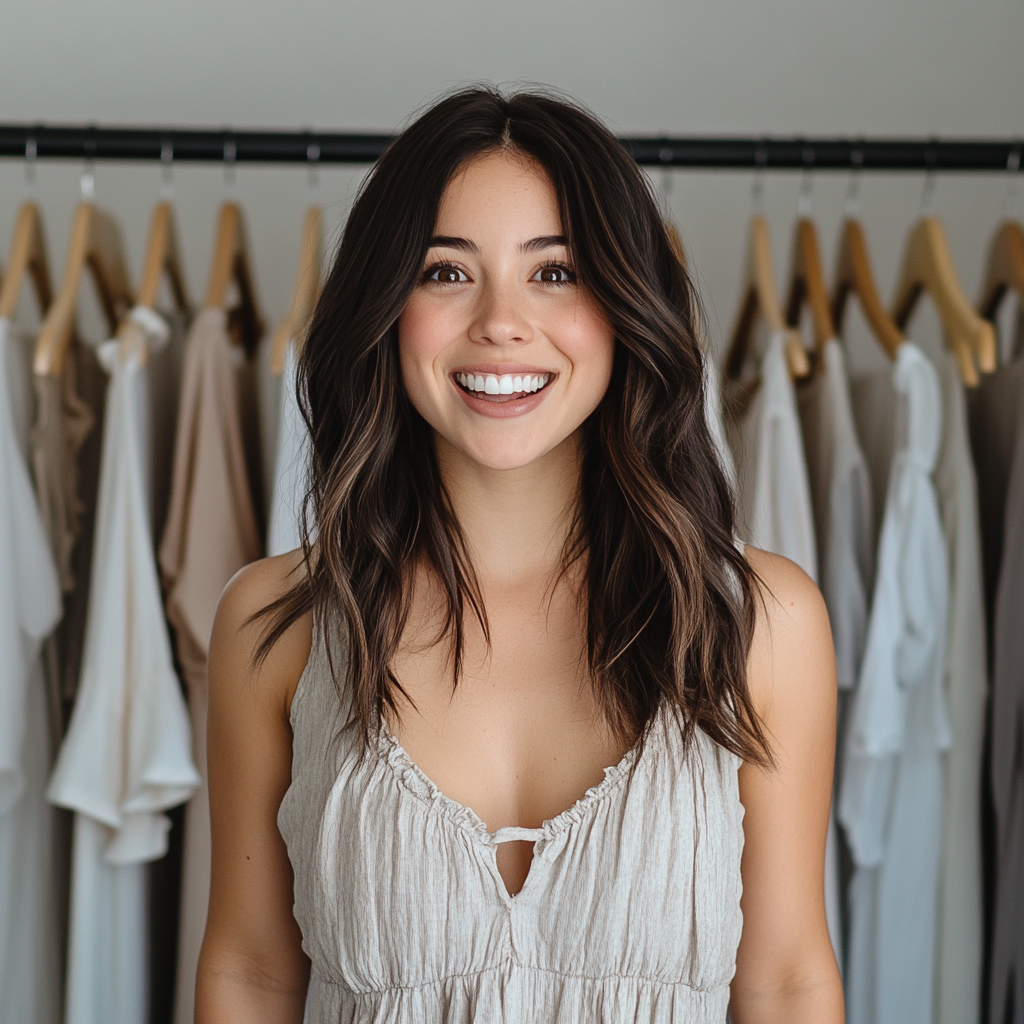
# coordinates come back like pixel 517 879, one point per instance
pixel 238 629
pixel 792 646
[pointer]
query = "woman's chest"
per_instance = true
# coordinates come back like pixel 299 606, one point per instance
pixel 521 736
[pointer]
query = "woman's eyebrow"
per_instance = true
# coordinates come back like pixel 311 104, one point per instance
pixel 466 245
pixel 543 242
pixel 453 242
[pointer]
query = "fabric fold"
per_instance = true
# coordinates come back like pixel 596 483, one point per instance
pixel 126 758
pixel 890 800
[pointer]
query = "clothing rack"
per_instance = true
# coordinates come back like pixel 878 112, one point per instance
pixel 92 142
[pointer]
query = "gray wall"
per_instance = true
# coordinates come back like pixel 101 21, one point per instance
pixel 715 66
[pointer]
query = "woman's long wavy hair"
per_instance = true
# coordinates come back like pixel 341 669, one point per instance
pixel 668 599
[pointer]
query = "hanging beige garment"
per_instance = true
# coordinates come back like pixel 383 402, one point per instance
pixel 213 529
pixel 66 463
pixel 958 967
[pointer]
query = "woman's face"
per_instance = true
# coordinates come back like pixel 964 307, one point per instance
pixel 502 352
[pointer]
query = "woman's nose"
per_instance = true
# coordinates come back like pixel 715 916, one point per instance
pixel 500 317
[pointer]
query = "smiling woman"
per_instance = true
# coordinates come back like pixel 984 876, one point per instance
pixel 493 745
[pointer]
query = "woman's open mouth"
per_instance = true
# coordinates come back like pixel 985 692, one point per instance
pixel 506 387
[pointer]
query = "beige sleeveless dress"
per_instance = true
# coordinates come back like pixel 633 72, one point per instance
pixel 630 911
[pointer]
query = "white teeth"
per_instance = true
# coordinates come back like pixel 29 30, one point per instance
pixel 506 384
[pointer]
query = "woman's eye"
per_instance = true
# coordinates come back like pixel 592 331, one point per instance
pixel 446 275
pixel 554 273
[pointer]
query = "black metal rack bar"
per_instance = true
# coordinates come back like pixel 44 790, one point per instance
pixel 92 142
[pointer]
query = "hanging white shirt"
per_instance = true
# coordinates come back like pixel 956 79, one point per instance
pixel 891 795
pixel 774 494
pixel 127 754
pixel 776 513
pixel 30 607
pixel 291 466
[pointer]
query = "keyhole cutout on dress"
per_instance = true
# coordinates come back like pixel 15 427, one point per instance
pixel 514 859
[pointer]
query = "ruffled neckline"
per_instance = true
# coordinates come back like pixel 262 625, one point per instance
pixel 415 781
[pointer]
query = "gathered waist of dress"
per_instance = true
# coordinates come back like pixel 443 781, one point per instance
pixel 515 992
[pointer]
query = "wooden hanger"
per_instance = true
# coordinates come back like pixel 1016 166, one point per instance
pixel 27 256
pixel 1005 269
pixel 307 288
pixel 854 276
pixel 928 266
pixel 807 284
pixel 231 264
pixel 95 246
pixel 759 296
pixel 162 257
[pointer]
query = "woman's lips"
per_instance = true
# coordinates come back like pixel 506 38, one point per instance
pixel 499 405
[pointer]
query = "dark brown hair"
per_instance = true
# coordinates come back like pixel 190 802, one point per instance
pixel 668 599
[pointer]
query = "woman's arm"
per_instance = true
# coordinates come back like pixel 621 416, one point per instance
pixel 785 969
pixel 252 969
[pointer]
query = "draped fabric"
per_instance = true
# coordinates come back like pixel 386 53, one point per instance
pixel 891 796
pixel 213 529
pixel 959 954
pixel 291 465
pixel 30 607
pixel 127 754
pixel 630 910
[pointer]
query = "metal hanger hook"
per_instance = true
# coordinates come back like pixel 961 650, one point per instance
pixel 928 193
pixel 30 167
pixel 167 171
pixel 667 181
pixel 757 183
pixel 230 152
pixel 87 183
pixel 852 205
pixel 803 203
pixel 313 170
pixel 928 189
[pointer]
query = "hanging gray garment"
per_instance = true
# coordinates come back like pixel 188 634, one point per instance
pixel 997 413
pixel 630 911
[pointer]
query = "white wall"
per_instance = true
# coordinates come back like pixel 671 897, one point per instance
pixel 716 66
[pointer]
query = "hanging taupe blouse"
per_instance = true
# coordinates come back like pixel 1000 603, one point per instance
pixel 213 529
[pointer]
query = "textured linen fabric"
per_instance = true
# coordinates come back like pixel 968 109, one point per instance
pixel 30 606
pixel 212 531
pixel 630 911
pixel 127 754
pixel 291 465
pixel 891 795
pixel 775 508
pixel 958 965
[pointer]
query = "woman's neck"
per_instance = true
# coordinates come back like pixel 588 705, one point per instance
pixel 515 522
